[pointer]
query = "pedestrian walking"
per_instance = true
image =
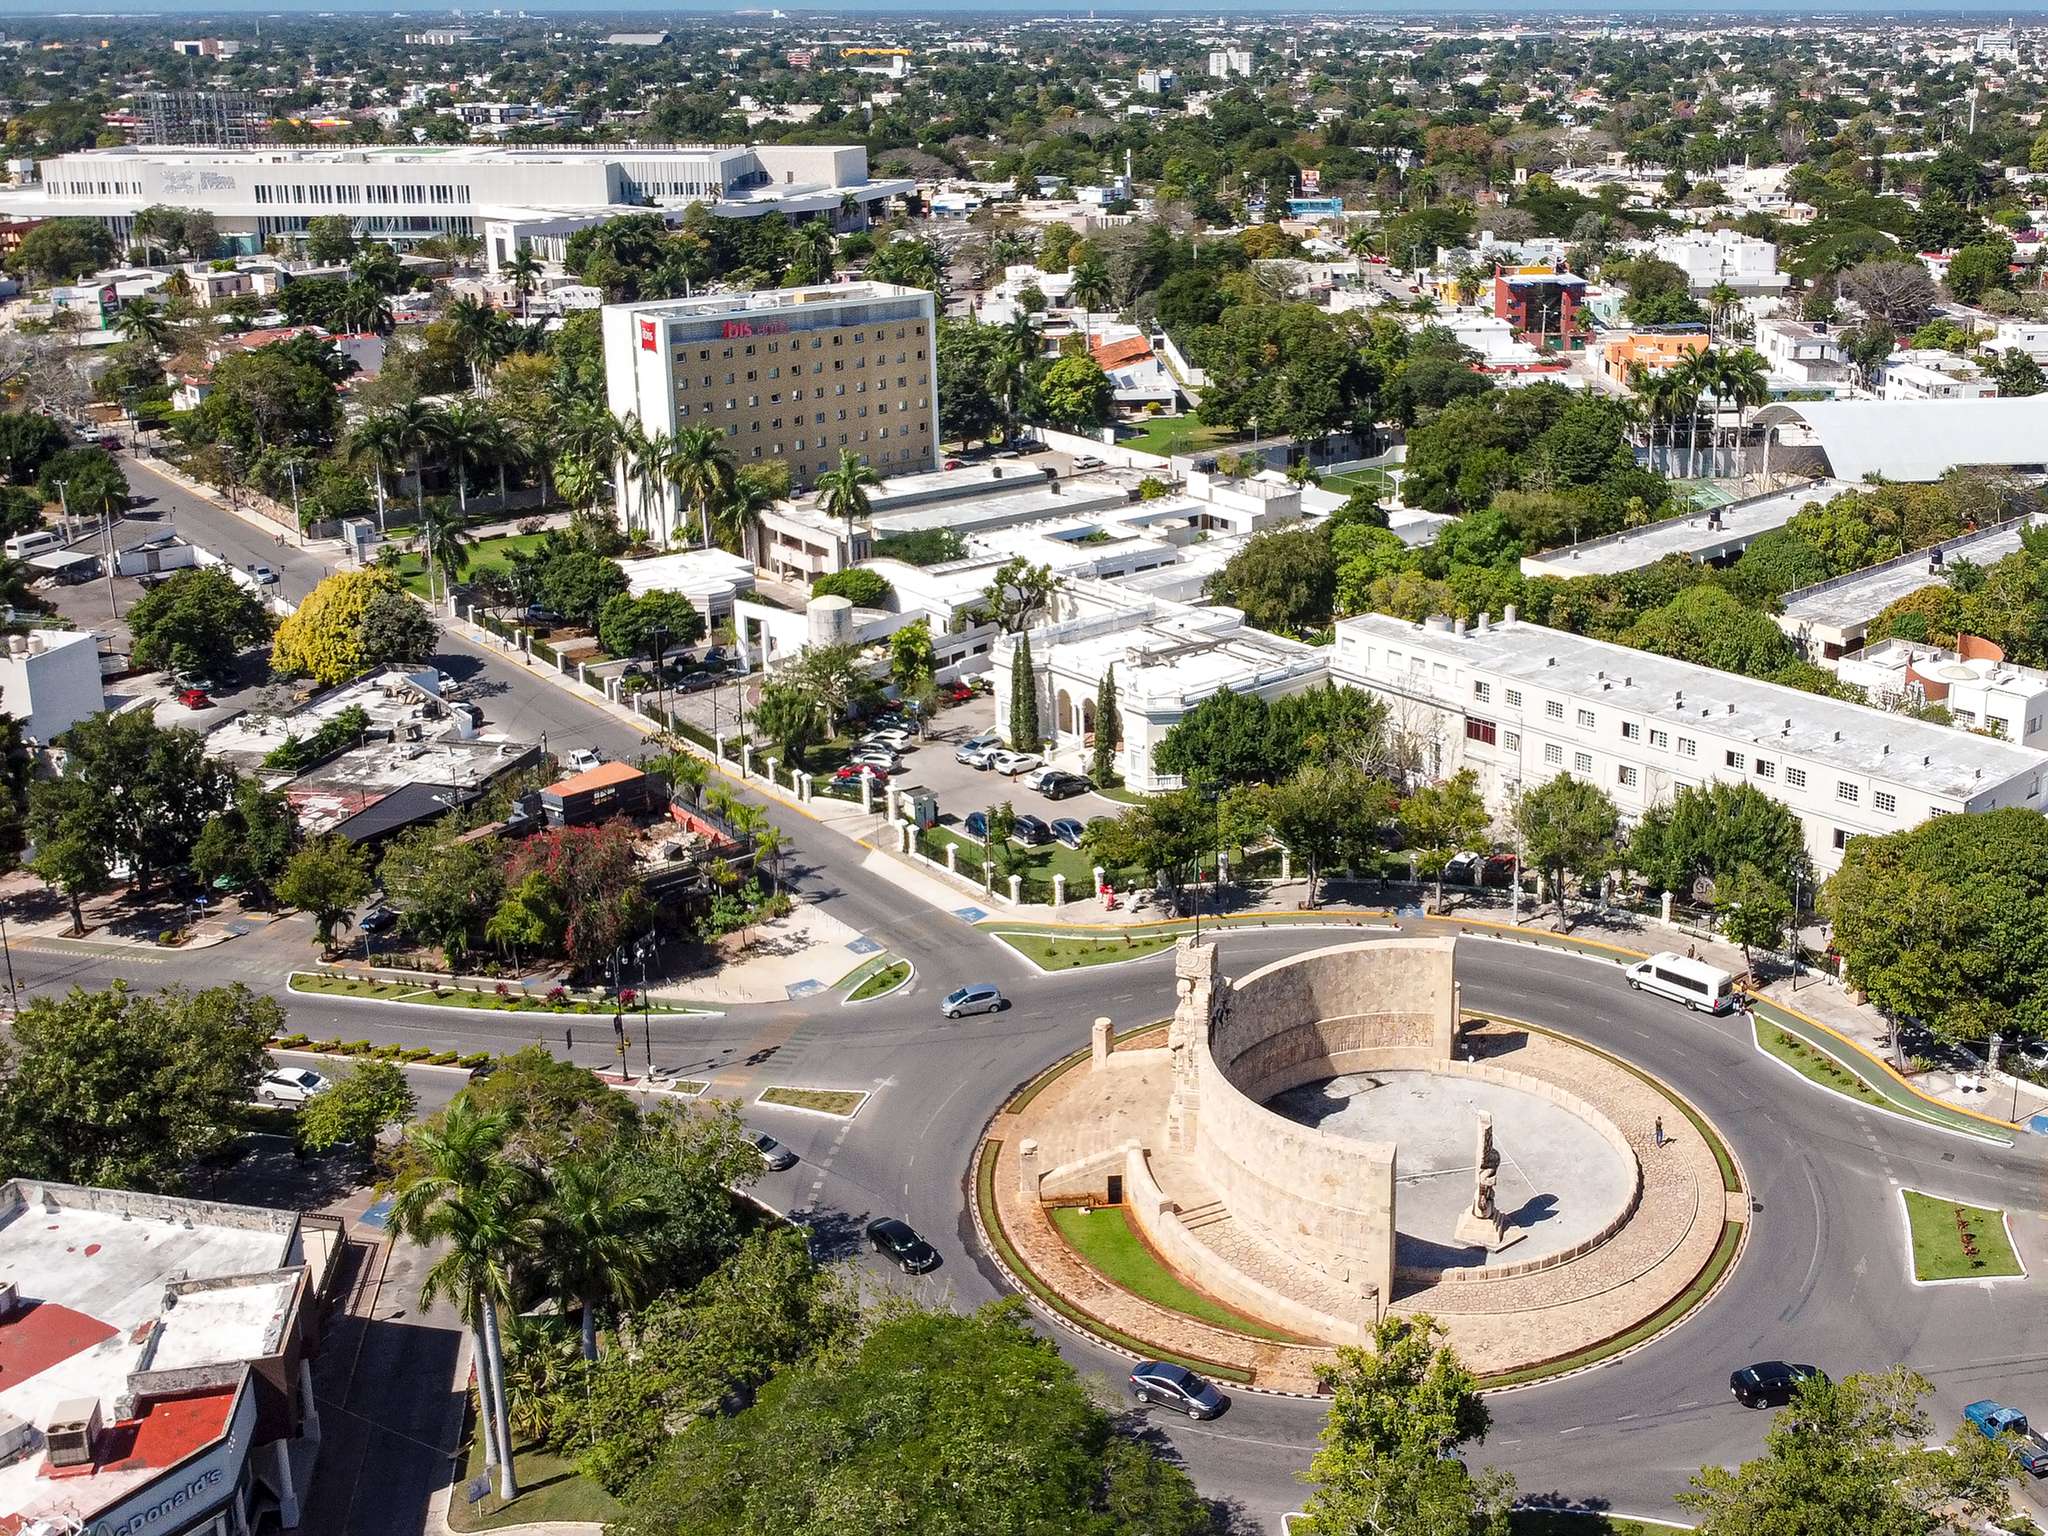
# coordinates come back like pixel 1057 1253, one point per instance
pixel 1658 1134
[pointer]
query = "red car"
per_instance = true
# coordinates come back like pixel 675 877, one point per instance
pixel 958 693
pixel 194 698
pixel 852 773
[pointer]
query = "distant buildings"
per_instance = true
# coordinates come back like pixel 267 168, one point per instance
pixel 207 119
pixel 1542 306
pixel 1710 258
pixel 796 374
pixel 206 47
pixel 1225 62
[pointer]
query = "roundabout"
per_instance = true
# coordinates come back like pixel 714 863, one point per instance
pixel 1332 1138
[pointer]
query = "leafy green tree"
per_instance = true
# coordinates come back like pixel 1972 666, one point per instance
pixel 1853 1455
pixel 1754 912
pixel 1283 580
pixel 629 626
pixel 1025 735
pixel 1939 924
pixel 396 631
pixel 1075 394
pixel 59 250
pixel 1715 628
pixel 789 717
pixel 529 917
pixel 1440 820
pixel 1160 841
pixel 86 480
pixel 330 240
pixel 1978 268
pixel 324 637
pixel 70 859
pixel 1109 729
pixel 1017 593
pixel 356 1107
pixel 862 588
pixel 276 396
pixel 246 846
pixel 971 368
pixel 129 1090
pixel 194 622
pixel 1289 368
pixel 1225 739
pixel 1327 812
pixel 28 441
pixel 327 878
pixel 142 793
pixel 912 661
pixel 885 1428
pixel 444 889
pixel 1568 827
pixel 2018 375
pixel 596 1242
pixel 836 678
pixel 577 583
pixel 1388 1464
pixel 1715 829
pixel 596 881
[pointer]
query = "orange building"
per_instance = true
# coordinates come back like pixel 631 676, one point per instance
pixel 1658 351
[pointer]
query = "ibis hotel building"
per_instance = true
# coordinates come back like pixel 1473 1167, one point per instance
pixel 797 374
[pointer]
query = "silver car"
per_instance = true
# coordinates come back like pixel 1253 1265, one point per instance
pixel 981 997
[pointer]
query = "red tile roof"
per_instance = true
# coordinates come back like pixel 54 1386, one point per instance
pixel 1121 354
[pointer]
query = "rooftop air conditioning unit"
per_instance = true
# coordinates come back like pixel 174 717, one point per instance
pixel 74 1429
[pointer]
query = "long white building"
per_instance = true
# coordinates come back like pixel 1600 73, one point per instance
pixel 1519 704
pixel 508 195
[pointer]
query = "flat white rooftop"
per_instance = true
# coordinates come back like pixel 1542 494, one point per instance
pixel 1705 535
pixel 1848 603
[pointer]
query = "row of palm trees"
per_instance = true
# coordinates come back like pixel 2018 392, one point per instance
pixel 511 1230
pixel 465 435
pixel 1715 378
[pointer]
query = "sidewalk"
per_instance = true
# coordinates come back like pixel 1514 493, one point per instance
pixel 119 920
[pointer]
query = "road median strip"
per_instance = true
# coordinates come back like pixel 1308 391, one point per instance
pixel 372 989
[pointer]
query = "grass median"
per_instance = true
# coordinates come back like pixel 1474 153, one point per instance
pixel 1107 1240
pixel 424 995
pixel 1954 1241
pixel 1058 952
pixel 879 981
pixel 844 1103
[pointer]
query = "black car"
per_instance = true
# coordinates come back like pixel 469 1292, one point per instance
pixel 1175 1386
pixel 1031 831
pixel 898 1241
pixel 378 920
pixel 1064 786
pixel 1769 1383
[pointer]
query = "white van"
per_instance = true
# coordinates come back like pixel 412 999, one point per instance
pixel 1691 982
pixel 23 545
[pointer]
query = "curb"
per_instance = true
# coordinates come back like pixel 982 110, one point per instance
pixel 534 1013
pixel 909 976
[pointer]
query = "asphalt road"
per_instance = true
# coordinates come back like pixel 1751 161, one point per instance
pixel 1824 1278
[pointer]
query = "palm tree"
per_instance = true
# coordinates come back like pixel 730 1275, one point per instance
pixel 144 320
pixel 466 436
pixel 701 470
pixel 644 456
pixel 417 426
pixel 524 270
pixel 379 443
pixel 1359 243
pixel 595 1241
pixel 843 492
pixel 588 429
pixel 814 240
pixel 580 482
pixel 1743 378
pixel 1721 302
pixel 1089 289
pixel 1690 379
pixel 448 545
pixel 739 517
pixel 363 307
pixel 1021 349
pixel 469 1202
pixel 480 336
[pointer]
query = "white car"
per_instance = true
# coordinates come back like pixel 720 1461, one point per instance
pixel 582 760
pixel 290 1085
pixel 976 757
pixel 893 739
pixel 1010 764
pixel 875 757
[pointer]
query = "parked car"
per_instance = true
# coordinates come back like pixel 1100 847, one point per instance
pixel 1087 461
pixel 773 1153
pixel 1064 786
pixel 980 742
pixel 892 738
pixel 979 997
pixel 1464 868
pixel 875 757
pixel 379 919
pixel 194 698
pixel 975 825
pixel 265 576
pixel 853 773
pixel 1010 764
pixel 898 1241
pixel 1068 832
pixel 1769 1383
pixel 1175 1386
pixel 1994 1420
pixel 1032 831
pixel 290 1085
pixel 955 693
pixel 582 760
pixel 977 757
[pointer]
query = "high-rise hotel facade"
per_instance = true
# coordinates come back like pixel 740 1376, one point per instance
pixel 796 374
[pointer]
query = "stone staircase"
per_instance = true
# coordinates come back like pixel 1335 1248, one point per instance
pixel 1210 1214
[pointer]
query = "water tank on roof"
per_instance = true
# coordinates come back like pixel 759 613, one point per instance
pixel 831 620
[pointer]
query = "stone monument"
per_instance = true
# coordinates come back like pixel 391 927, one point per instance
pixel 1483 1225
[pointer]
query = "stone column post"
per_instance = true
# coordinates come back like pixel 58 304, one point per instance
pixel 952 858
pixel 867 794
pixel 1016 889
pixel 1059 892
pixel 904 834
pixel 1100 1044
pixel 1098 880
pixel 773 764
pixel 1286 865
pixel 1664 907
pixel 988 876
pixel 746 759
pixel 1027 1167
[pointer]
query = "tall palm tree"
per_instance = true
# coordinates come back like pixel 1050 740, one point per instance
pixel 596 1237
pixel 739 517
pixel 469 1202
pixel 819 249
pixel 580 482
pixel 143 320
pixel 643 456
pixel 1691 379
pixel 1743 379
pixel 467 437
pixel 417 427
pixel 698 465
pixel 524 270
pixel 378 444
pixel 843 492
pixel 588 429
pixel 1090 289
pixel 363 307
pixel 480 336
pixel 1359 244
pixel 448 545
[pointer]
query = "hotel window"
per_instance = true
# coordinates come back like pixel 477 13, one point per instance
pixel 1766 769
pixel 1625 776
pixel 1553 754
pixel 1846 792
pixel 1512 740
pixel 1842 837
pixel 1795 778
pixel 1481 730
pixel 1585 719
pixel 1736 761
pixel 1660 739
pixel 1687 747
pixel 1630 731
pixel 1885 801
pixel 1582 762
pixel 1554 709
pixel 1482 692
